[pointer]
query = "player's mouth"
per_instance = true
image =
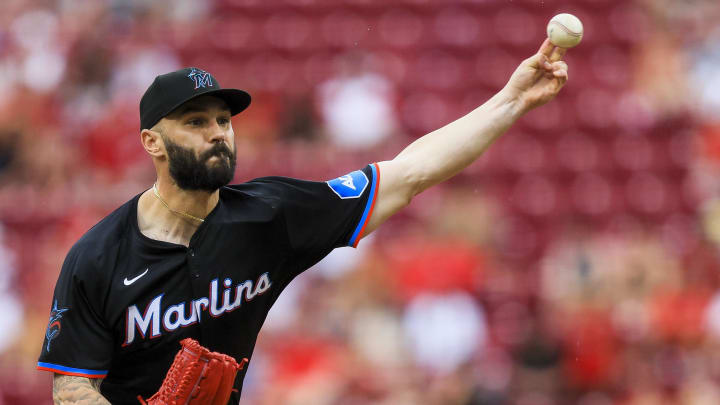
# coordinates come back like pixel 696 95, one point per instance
pixel 218 156
pixel 218 151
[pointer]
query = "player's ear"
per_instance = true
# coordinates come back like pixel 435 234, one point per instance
pixel 152 142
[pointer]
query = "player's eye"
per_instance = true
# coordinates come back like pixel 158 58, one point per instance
pixel 223 121
pixel 195 122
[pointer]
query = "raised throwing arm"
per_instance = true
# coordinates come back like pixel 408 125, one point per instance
pixel 444 152
pixel 72 390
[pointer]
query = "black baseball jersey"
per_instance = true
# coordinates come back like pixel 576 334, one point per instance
pixel 123 301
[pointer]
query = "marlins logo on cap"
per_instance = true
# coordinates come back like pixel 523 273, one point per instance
pixel 201 78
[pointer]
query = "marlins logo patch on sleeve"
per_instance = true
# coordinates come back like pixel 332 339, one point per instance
pixel 350 185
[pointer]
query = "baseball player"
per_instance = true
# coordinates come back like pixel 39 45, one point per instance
pixel 193 257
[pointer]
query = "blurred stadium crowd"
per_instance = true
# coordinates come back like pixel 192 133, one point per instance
pixel 575 263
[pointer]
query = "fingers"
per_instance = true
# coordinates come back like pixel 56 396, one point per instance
pixel 555 70
pixel 552 52
pixel 551 67
pixel 559 65
pixel 557 54
pixel 546 48
pixel 549 61
pixel 560 71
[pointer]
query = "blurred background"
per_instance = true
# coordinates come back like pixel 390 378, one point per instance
pixel 575 263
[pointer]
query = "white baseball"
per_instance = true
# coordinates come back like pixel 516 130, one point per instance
pixel 565 30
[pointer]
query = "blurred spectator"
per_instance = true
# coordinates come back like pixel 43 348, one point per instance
pixel 8 148
pixel 444 330
pixel 357 104
pixel 11 321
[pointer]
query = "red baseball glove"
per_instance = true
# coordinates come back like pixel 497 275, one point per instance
pixel 197 376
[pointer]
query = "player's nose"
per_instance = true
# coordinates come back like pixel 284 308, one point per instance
pixel 218 133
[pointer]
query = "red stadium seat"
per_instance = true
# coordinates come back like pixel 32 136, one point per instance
pixel 243 3
pixel 516 27
pixel 597 4
pixel 288 31
pixel 459 27
pixel 680 233
pixel 633 152
pixel 647 194
pixel 305 3
pixel 594 108
pixel 233 33
pixel 475 98
pixel 609 66
pixel 493 66
pixel 392 65
pixel 679 149
pixel 519 239
pixel 577 152
pixel 400 28
pixel 344 29
pixel 691 196
pixel 628 23
pixel 318 68
pixel 423 112
pixel 437 70
pixel 523 154
pixel 633 112
pixel 592 194
pixel 536 195
pixel 550 118
pixel 269 71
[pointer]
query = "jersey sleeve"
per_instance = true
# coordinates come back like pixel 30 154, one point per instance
pixel 77 341
pixel 320 216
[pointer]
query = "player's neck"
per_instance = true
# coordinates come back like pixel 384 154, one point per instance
pixel 195 203
pixel 173 214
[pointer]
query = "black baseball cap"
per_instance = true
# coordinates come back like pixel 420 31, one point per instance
pixel 169 91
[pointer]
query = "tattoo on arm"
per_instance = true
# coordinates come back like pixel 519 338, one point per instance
pixel 72 390
pixel 95 382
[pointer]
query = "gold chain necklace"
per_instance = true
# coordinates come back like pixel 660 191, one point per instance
pixel 185 214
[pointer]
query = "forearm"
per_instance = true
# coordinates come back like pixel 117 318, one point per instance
pixel 71 390
pixel 443 153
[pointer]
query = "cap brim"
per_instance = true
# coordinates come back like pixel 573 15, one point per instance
pixel 237 100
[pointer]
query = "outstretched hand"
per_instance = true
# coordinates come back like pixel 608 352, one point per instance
pixel 539 78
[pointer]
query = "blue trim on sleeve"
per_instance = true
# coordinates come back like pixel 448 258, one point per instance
pixel 368 206
pixel 57 367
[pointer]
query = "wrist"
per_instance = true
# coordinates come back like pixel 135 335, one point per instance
pixel 512 102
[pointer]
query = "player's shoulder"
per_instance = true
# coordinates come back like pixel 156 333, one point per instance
pixel 270 189
pixel 103 238
pixel 112 227
pixel 252 201
pixel 350 185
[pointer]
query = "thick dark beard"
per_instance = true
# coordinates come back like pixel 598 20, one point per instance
pixel 191 172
